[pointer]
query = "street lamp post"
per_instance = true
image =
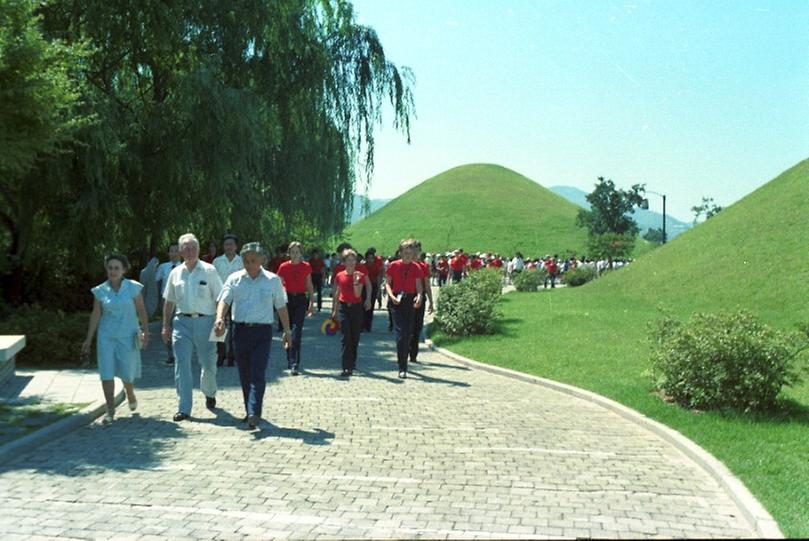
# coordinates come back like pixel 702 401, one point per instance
pixel 645 205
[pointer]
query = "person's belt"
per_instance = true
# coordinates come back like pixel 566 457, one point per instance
pixel 351 303
pixel 193 315
pixel 246 324
pixel 289 294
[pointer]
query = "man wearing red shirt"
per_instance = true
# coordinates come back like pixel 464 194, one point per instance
pixel 375 266
pixel 317 264
pixel 476 263
pixel 296 276
pixel 418 317
pixel 403 284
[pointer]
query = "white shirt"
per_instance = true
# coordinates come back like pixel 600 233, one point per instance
pixel 163 271
pixel 227 267
pixel 253 299
pixel 194 292
pixel 517 264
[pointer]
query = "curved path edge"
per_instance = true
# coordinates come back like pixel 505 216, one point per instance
pixel 758 517
pixel 29 442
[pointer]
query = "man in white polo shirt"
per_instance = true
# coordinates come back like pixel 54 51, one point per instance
pixel 253 293
pixel 227 264
pixel 193 288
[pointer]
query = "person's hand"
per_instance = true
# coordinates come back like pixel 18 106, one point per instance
pixel 334 316
pixel 287 340
pixel 394 299
pixel 219 327
pixel 144 339
pixel 430 308
pixel 85 347
pixel 166 335
pixel 357 277
pixel 417 302
pixel 368 304
pixel 311 311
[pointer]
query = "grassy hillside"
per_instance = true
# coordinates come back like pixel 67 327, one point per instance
pixel 751 255
pixel 477 207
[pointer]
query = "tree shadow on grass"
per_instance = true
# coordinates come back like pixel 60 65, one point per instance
pixel 785 411
pixel 97 449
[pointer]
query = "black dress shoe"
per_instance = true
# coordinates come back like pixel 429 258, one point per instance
pixel 344 372
pixel 179 416
pixel 210 402
pixel 252 421
pixel 295 371
pixel 169 362
pixel 220 362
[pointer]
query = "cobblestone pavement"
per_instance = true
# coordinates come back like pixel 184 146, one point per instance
pixel 448 453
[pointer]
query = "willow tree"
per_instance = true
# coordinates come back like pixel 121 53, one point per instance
pixel 249 116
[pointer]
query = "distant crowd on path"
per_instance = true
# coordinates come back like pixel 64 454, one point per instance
pixel 224 309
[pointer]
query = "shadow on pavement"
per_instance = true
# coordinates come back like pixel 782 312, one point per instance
pixel 316 437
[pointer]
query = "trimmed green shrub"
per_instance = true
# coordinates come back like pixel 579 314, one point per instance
pixel 579 276
pixel 723 361
pixel 470 307
pixel 529 280
pixel 53 338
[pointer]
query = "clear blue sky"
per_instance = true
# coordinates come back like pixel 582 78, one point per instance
pixel 691 97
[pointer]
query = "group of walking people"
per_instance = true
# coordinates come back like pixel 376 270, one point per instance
pixel 227 309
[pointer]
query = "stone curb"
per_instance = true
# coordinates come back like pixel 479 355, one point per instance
pixel 762 522
pixel 29 442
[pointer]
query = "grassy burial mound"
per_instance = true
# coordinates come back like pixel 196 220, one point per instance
pixel 478 207
pixel 752 255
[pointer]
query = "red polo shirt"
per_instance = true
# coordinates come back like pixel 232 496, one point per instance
pixel 294 276
pixel 476 264
pixel 317 265
pixel 443 268
pixel 457 264
pixel 404 275
pixel 345 285
pixel 375 267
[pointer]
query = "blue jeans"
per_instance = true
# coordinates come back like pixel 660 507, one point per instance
pixel 252 348
pixel 189 335
pixel 297 306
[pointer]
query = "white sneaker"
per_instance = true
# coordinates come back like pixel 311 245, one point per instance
pixel 108 419
pixel 133 405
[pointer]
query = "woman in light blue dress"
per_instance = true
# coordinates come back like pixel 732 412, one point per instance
pixel 117 307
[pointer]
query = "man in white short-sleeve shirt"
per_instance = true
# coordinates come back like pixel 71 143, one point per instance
pixel 227 264
pixel 192 288
pixel 252 295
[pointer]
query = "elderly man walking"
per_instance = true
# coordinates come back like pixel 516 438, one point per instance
pixel 193 288
pixel 253 293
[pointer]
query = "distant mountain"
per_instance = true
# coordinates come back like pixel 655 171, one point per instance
pixel 646 219
pixel 357 213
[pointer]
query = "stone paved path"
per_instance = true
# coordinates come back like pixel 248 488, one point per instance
pixel 449 453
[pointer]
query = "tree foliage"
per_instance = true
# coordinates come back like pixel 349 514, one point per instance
pixel 654 235
pixel 253 117
pixel 610 227
pixel 707 208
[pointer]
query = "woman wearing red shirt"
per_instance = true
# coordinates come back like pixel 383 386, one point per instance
pixel 443 270
pixel 348 284
pixel 404 280
pixel 296 276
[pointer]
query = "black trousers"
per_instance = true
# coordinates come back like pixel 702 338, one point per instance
pixel 418 324
pixel 442 279
pixel 317 282
pixel 351 319
pixel 297 305
pixel 456 276
pixel 403 319
pixel 369 314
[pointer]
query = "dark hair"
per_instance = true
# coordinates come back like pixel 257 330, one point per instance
pixel 175 243
pixel 230 236
pixel 117 257
pixel 342 246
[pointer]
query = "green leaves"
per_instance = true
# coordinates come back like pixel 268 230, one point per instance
pixel 530 280
pixel 470 307
pixel 723 361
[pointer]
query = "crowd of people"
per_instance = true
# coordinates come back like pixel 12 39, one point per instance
pixel 224 308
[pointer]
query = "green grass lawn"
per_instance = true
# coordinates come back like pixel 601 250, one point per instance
pixel 753 256
pixel 20 419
